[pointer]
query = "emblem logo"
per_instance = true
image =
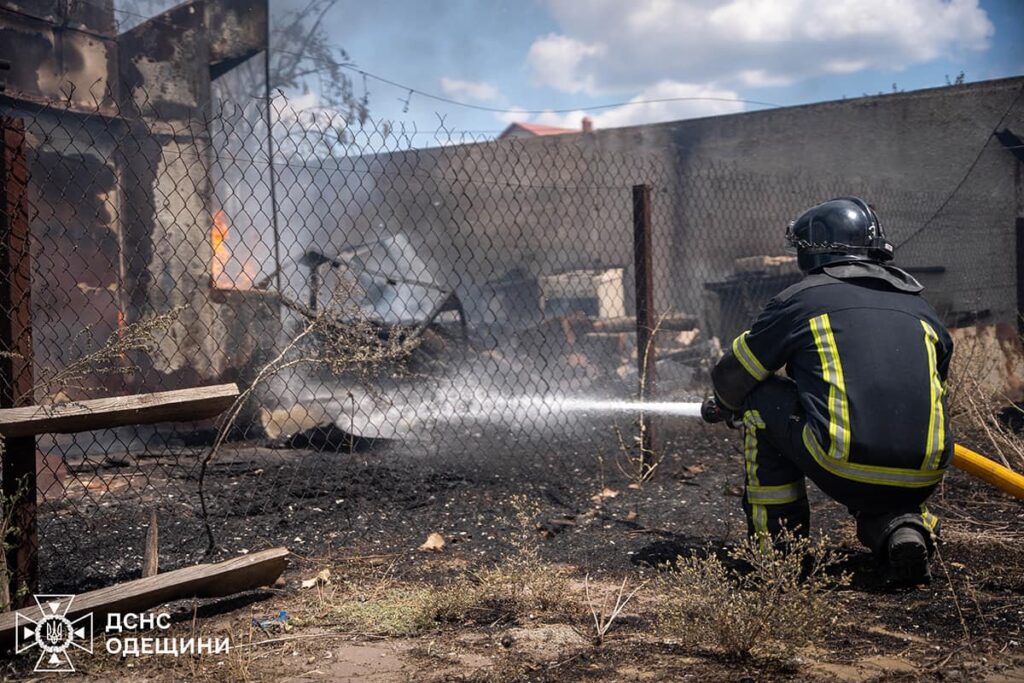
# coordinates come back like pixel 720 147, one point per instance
pixel 53 633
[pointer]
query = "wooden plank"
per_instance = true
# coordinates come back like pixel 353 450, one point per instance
pixel 673 323
pixel 100 413
pixel 151 558
pixel 201 581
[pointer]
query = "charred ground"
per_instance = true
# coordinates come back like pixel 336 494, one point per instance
pixel 365 520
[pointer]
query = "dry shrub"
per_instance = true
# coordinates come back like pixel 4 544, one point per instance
pixel 111 357
pixel 530 581
pixel 522 585
pixel 974 406
pixel 783 600
pixel 54 388
pixel 512 590
pixel 394 611
pixel 519 586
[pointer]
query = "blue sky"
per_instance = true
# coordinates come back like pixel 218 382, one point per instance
pixel 576 54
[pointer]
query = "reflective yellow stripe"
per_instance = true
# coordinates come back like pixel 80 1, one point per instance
pixel 929 520
pixel 776 495
pixel 747 358
pixel 758 514
pixel 936 421
pixel 870 474
pixel 832 373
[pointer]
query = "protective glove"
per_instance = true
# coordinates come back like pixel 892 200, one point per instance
pixel 714 412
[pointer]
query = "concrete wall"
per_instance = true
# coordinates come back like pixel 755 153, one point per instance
pixel 725 187
pixel 904 152
pixel 484 217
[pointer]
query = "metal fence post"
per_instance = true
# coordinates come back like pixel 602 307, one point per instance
pixel 270 158
pixel 1018 182
pixel 1019 236
pixel 645 344
pixel 19 454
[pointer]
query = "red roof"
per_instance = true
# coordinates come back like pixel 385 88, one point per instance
pixel 535 129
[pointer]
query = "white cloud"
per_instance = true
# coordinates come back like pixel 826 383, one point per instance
pixel 512 115
pixel 290 105
pixel 305 112
pixel 844 66
pixel 759 78
pixel 611 46
pixel 475 90
pixel 556 61
pixel 678 101
pixel 677 104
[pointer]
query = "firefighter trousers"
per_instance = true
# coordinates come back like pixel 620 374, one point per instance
pixel 777 462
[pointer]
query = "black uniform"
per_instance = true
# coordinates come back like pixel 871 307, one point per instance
pixel 863 411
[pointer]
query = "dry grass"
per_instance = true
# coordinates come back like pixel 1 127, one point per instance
pixel 974 408
pixel 605 612
pixel 8 532
pixel 520 586
pixel 785 601
pixel 391 610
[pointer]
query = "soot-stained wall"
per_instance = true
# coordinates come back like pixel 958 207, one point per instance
pixel 120 184
pixel 725 187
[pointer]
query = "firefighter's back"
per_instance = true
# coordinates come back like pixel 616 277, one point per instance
pixel 868 362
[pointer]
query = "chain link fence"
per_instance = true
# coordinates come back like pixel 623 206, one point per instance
pixel 489 283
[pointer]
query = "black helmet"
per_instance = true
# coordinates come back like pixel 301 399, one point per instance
pixel 837 231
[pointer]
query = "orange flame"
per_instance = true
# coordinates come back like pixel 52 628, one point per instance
pixel 228 270
pixel 221 254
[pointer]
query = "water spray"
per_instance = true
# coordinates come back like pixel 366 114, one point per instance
pixel 538 406
pixel 974 464
pixel 585 405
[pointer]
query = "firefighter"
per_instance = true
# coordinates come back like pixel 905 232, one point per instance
pixel 862 408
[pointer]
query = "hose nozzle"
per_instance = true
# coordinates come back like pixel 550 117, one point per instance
pixel 711 412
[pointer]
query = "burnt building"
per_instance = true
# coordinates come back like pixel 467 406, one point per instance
pixel 122 201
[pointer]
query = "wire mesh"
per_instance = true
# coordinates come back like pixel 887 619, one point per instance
pixel 409 319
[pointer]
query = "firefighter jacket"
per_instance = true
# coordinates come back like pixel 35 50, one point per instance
pixel 869 357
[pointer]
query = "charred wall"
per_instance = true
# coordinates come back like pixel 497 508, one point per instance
pixel 908 153
pixel 120 176
pixel 725 187
pixel 486 219
pixel 60 51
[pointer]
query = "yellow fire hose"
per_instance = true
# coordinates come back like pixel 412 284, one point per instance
pixel 979 466
pixel 974 464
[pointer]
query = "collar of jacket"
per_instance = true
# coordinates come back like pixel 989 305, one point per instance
pixel 893 276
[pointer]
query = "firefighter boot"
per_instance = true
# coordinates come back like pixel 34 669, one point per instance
pixel 907 558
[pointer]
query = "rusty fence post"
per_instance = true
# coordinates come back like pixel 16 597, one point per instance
pixel 1019 236
pixel 1018 182
pixel 645 343
pixel 19 454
